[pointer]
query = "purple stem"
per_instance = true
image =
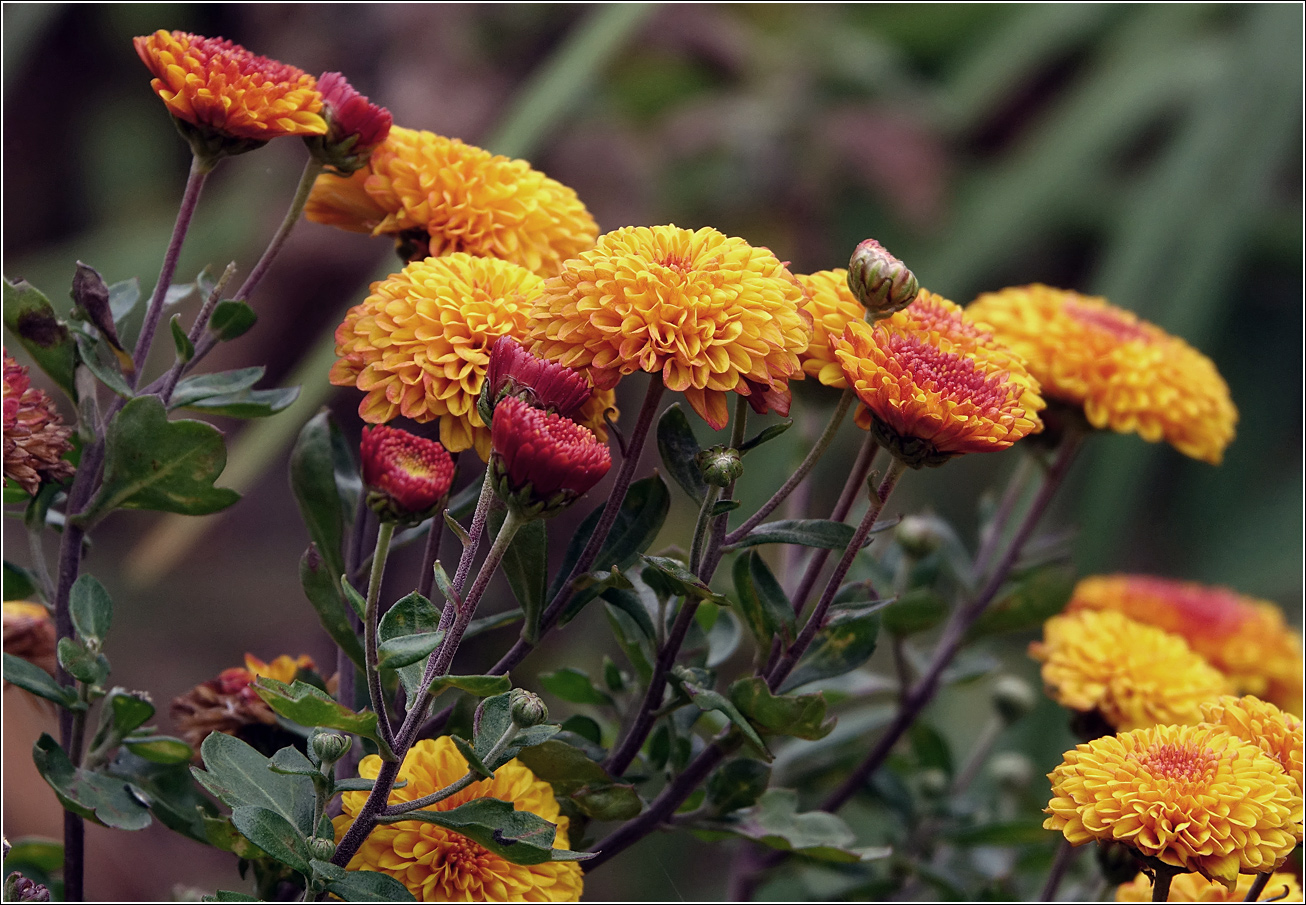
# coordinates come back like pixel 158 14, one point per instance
pixel 1060 862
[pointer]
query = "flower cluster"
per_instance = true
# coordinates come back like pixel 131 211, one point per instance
pixel 35 437
pixel 229 703
pixel 406 476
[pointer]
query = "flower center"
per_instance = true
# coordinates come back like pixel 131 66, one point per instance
pixel 952 376
pixel 1184 761
pixel 676 261
pixel 463 855
pixel 1107 320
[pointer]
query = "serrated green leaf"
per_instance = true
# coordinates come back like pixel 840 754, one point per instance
pixel 309 706
pixel 411 615
pixel 520 837
pixel 679 450
pixel 19 584
pixel 574 685
pixel 801 716
pixel 248 403
pixel 82 664
pixel 202 386
pixel 32 678
pixel 370 886
pixel 845 643
pixel 765 435
pixel 275 835
pixel 160 749
pixel 239 776
pixel 91 608
pixel 526 566
pixel 95 796
pixel 180 341
pixel 232 318
pixel 323 591
pixel 154 463
pixel 737 784
pixel 31 318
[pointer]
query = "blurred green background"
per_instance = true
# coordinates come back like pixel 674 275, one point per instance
pixel 1152 154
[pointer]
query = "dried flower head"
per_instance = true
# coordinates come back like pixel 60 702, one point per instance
pixel 1278 734
pixel 35 438
pixel 1133 674
pixel 710 313
pixel 936 384
pixel 1128 375
pixel 29 634
pixel 463 197
pixel 355 126
pixel 406 476
pixel 1193 797
pixel 543 461
pixel 230 705
pixel 439 865
pixel 1245 638
pixel 832 306
pixel 1283 887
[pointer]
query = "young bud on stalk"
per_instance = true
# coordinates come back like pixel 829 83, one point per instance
pixel 881 282
pixel 720 465
pixel 513 371
pixel 330 746
pixel 527 708
pixel 355 126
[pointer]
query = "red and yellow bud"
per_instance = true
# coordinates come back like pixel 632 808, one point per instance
pixel 407 476
pixel 881 282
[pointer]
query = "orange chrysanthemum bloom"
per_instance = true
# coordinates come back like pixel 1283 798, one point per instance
pixel 709 312
pixel 1128 375
pixel 465 198
pixel 1283 887
pixel 937 384
pixel 1241 636
pixel 222 89
pixel 1194 797
pixel 230 704
pixel 1278 734
pixel 1134 675
pixel 832 306
pixel 439 865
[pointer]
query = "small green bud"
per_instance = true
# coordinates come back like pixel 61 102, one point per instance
pixel 321 849
pixel 330 746
pixel 527 708
pixel 1011 770
pixel 934 783
pixel 720 465
pixel 881 282
pixel 918 536
pixel 1013 698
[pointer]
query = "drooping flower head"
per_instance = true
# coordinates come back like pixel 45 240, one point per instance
pixel 709 312
pixel 439 865
pixel 29 634
pixel 460 198
pixel 406 476
pixel 543 461
pixel 35 437
pixel 420 344
pixel 355 126
pixel 229 704
pixel 1241 636
pixel 880 282
pixel 832 306
pixel 1133 675
pixel 936 384
pixel 513 371
pixel 1193 797
pixel 226 98
pixel 1278 734
pixel 1283 887
pixel 1126 374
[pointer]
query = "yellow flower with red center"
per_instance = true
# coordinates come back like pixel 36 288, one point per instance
pixel 1128 375
pixel 1193 797
pixel 464 198
pixel 222 89
pixel 439 865
pixel 1241 636
pixel 1278 734
pixel 1283 887
pixel 937 385
pixel 709 312
pixel 1134 675
pixel 832 306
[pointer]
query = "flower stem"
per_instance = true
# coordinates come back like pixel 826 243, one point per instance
pixel 457 785
pixel 1258 887
pixel 1161 885
pixel 1064 856
pixel 813 456
pixel 196 331
pixel 370 618
pixel 700 527
pixel 997 525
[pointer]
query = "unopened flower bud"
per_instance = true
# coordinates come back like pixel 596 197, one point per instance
pixel 1013 698
pixel 330 746
pixel 20 889
pixel 407 476
pixel 881 282
pixel 527 708
pixel 542 462
pixel 720 465
pixel 513 371
pixel 321 849
pixel 91 295
pixel 355 126
pixel 1011 770
pixel 918 536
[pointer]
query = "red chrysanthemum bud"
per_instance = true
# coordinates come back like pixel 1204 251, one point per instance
pixel 881 282
pixel 407 476
pixel 543 462
pixel 35 437
pixel 513 371
pixel 355 126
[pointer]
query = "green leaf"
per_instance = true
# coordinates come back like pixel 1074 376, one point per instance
pixel 19 584
pixel 82 664
pixel 612 676
pixel 631 638
pixel 15 494
pixel 274 835
pixel 845 643
pixel 918 610
pixel 930 747
pixel 322 589
pixel 737 784
pixel 95 796
pixel 45 854
pixel 632 600
pixel 226 895
pixel 91 608
pixel 315 480
pixel 585 727
pixel 370 886
pixel 166 466
pixel 1031 601
pixel 185 348
pixel 292 762
pixel 480 686
pixel 763 604
pixel 174 798
pixel 706 699
pixel 679 450
pixel 100 360
pixel 721 507
pixel 309 706
pixel 526 566
pixel 491 721
pixel 808 532
pixel 30 317
pixel 671 577
pixel 248 403
pixel 412 615
pixel 516 836
pixel 587 784
pixel 231 319
pixel 407 649
pixel 575 686
pixel 775 822
pixel 802 716
pixel 765 435
pixel 130 711
pixel 239 776
pixel 160 749
pixel 224 383
pixel 617 801
pixel 34 679
pixel 474 763
pixel 490 623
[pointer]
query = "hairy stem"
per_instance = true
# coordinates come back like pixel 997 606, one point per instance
pixel 370 619
pixel 457 785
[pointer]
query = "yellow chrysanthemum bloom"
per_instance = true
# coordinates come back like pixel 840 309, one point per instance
pixel 1278 734
pixel 832 306
pixel 464 197
pixel 936 383
pixel 439 865
pixel 1194 797
pixel 710 312
pixel 1283 887
pixel 1241 636
pixel 283 668
pixel 220 87
pixel 1134 675
pixel 1128 375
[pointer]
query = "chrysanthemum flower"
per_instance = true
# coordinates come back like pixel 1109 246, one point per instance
pixel 229 704
pixel 1133 674
pixel 1128 375
pixel 1193 797
pixel 513 371
pixel 1241 636
pixel 420 344
pixel 355 126
pixel 710 313
pixel 35 437
pixel 226 92
pixel 1278 734
pixel 29 634
pixel 406 475
pixel 439 865
pixel 832 306
pixel 937 385
pixel 464 197
pixel 1196 888
pixel 543 461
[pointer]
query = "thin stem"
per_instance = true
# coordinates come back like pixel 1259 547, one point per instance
pixel 1161 885
pixel 1258 887
pixel 700 527
pixel 346 675
pixel 716 539
pixel 370 617
pixel 1064 856
pixel 996 527
pixel 809 462
pixel 190 198
pixel 979 754
pixel 196 331
pixel 457 785
pixel 483 503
